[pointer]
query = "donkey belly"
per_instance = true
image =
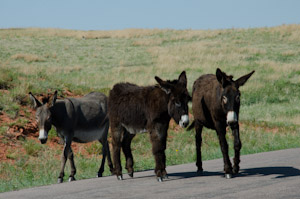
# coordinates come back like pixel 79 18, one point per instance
pixel 88 135
pixel 134 130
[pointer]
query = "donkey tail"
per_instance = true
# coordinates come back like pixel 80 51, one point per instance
pixel 191 126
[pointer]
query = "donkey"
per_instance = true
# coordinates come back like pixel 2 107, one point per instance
pixel 216 104
pixel 134 109
pixel 79 119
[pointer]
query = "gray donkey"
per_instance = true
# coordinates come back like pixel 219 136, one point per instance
pixel 75 119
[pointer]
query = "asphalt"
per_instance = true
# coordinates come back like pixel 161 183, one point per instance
pixel 264 175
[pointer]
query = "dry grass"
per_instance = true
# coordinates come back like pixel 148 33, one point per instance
pixel 148 42
pixel 286 32
pixel 28 57
pixel 52 32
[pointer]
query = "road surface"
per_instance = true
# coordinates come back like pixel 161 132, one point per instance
pixel 265 175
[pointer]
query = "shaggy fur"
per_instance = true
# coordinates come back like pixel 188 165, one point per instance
pixel 134 109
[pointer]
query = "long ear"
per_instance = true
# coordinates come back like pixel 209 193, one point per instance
pixel 165 86
pixel 36 102
pixel 52 99
pixel 182 78
pixel 222 77
pixel 242 80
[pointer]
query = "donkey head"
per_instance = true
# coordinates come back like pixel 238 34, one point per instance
pixel 43 114
pixel 230 94
pixel 178 98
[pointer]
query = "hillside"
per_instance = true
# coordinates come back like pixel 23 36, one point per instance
pixel 77 62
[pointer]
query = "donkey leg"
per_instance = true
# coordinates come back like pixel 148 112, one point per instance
pixel 127 152
pixel 64 160
pixel 109 162
pixel 198 139
pixel 237 148
pixel 104 152
pixel 158 150
pixel 72 164
pixel 116 147
pixel 224 148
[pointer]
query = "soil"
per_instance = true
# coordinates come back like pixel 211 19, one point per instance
pixel 15 135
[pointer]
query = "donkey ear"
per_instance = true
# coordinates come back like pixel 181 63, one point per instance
pixel 36 102
pixel 222 78
pixel 242 80
pixel 182 78
pixel 52 99
pixel 165 86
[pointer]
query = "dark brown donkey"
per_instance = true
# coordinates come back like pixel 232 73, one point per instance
pixel 134 109
pixel 79 119
pixel 216 104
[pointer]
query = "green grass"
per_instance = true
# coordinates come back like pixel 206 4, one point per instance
pixel 44 60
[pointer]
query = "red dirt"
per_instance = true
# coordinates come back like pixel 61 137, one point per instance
pixel 15 135
pixel 13 139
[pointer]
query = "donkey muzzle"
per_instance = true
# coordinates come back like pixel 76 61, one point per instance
pixel 43 136
pixel 184 121
pixel 231 117
pixel 43 141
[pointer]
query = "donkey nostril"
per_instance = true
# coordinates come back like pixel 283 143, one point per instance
pixel 185 124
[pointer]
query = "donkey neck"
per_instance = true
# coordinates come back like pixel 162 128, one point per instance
pixel 61 112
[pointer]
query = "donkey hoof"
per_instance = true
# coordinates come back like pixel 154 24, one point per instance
pixel 99 175
pixel 235 170
pixel 120 177
pixel 159 179
pixel 71 179
pixel 199 171
pixel 228 175
pixel 130 174
pixel 60 180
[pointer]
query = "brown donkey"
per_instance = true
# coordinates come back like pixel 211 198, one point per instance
pixel 75 119
pixel 134 109
pixel 216 105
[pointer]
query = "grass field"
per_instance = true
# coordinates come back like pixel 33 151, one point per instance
pixel 43 60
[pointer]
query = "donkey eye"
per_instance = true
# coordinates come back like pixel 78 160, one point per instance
pixel 177 104
pixel 224 98
pixel 237 98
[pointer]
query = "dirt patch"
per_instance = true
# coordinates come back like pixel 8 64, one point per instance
pixel 15 134
pixel 12 139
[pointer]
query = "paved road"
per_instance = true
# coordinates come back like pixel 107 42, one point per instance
pixel 264 175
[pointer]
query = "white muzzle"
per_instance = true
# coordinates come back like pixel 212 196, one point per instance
pixel 43 135
pixel 184 121
pixel 231 117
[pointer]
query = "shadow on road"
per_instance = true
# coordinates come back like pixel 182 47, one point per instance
pixel 182 175
pixel 281 172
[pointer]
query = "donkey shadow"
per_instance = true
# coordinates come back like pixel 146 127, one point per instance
pixel 184 175
pixel 279 172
